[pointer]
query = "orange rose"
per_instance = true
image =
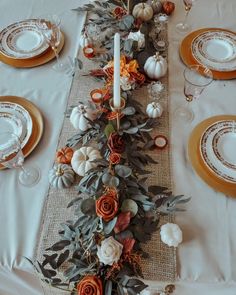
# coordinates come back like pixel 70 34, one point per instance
pixel 90 285
pixel 107 206
pixel 119 12
pixel 114 158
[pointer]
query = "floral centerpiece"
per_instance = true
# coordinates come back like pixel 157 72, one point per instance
pixel 100 251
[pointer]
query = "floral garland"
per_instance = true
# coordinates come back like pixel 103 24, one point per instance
pixel 115 211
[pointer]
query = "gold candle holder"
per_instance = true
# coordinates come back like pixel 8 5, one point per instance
pixel 117 110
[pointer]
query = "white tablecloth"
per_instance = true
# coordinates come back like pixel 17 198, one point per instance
pixel 207 255
pixel 21 208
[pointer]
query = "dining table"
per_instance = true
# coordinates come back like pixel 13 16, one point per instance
pixel 206 258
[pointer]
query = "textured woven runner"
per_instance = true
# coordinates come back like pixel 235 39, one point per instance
pixel 162 263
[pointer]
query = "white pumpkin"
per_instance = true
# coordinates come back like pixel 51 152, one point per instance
pixel 154 109
pixel 85 40
pixel 82 160
pixel 143 11
pixel 61 176
pixel 78 117
pixel 155 66
pixel 139 37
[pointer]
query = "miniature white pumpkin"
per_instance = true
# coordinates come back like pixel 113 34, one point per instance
pixel 139 37
pixel 156 6
pixel 61 176
pixel 85 40
pixel 171 234
pixel 143 11
pixel 78 117
pixel 82 160
pixel 154 109
pixel 155 66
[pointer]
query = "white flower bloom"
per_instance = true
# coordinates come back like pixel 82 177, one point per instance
pixel 125 83
pixel 109 251
pixel 139 37
pixel 171 234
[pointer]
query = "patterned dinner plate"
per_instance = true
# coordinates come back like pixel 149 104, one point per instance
pixel 216 50
pixel 22 40
pixel 217 148
pixel 224 145
pixel 10 123
pixel 18 113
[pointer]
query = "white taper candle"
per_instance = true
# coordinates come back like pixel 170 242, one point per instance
pixel 116 82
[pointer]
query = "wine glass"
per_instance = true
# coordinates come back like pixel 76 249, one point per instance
pixel 49 26
pixel 196 79
pixel 11 156
pixel 184 27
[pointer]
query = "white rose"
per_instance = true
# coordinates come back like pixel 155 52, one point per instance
pixel 139 37
pixel 109 251
pixel 171 234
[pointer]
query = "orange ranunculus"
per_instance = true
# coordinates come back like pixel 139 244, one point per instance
pixel 126 68
pixel 114 158
pixel 107 205
pixel 91 285
pixel 119 12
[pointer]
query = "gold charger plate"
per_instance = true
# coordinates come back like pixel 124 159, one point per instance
pixel 197 162
pixel 37 120
pixel 185 52
pixel 35 61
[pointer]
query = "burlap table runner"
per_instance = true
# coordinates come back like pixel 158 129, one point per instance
pixel 162 263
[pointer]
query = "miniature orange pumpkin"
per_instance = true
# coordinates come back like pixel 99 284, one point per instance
pixel 64 155
pixel 168 7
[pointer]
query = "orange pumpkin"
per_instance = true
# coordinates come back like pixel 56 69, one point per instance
pixel 168 7
pixel 64 155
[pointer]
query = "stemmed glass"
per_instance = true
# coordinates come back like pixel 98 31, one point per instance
pixel 196 79
pixel 49 25
pixel 184 27
pixel 11 156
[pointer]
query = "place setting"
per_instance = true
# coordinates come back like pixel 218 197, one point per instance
pixel 21 130
pixel 33 42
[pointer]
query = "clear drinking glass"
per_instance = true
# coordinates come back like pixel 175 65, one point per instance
pixel 49 25
pixel 11 156
pixel 184 27
pixel 196 79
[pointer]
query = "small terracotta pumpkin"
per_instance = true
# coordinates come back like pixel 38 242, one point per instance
pixel 168 7
pixel 64 155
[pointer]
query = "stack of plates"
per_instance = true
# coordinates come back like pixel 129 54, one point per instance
pixel 20 116
pixel 23 45
pixel 212 47
pixel 212 152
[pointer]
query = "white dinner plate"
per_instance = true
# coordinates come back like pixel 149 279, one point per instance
pixel 22 40
pixel 217 148
pixel 216 50
pixel 10 123
pixel 224 146
pixel 21 114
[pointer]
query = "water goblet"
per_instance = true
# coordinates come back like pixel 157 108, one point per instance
pixel 184 27
pixel 196 79
pixel 49 26
pixel 11 156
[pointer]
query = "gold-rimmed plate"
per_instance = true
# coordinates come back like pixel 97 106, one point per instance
pixel 198 163
pixel 187 57
pixel 33 62
pixel 37 119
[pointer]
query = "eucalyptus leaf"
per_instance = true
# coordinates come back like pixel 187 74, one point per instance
pixel 123 171
pixel 59 245
pixel 129 111
pixel 110 180
pixel 88 207
pixel 109 129
pixel 131 130
pixel 108 227
pixel 62 258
